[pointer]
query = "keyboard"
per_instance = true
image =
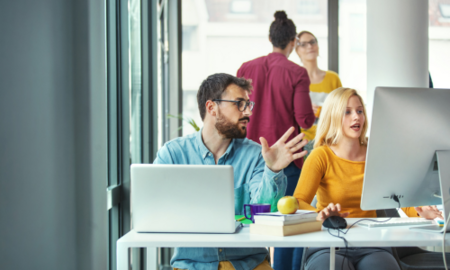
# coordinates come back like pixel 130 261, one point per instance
pixel 397 222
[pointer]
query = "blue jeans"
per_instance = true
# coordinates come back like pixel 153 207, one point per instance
pixel 292 173
pixel 289 258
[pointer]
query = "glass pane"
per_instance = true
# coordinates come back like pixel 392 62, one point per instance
pixel 163 73
pixel 218 36
pixel 111 65
pixel 439 42
pixel 161 55
pixel 135 81
pixel 352 45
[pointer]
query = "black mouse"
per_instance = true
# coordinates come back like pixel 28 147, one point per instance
pixel 335 222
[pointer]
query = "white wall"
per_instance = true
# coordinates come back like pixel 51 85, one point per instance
pixel 53 130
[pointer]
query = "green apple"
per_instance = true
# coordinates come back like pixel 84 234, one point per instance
pixel 287 205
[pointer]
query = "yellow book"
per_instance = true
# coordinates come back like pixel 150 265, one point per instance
pixel 286 230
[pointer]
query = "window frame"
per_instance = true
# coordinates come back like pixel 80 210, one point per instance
pixel 118 183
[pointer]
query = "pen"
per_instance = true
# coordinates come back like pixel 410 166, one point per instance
pixel 239 219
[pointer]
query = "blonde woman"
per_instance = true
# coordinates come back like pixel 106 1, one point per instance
pixel 322 81
pixel 334 171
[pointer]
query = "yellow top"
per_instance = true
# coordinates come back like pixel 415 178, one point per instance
pixel 334 180
pixel 330 82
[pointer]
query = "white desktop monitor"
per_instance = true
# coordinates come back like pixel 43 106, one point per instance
pixel 410 127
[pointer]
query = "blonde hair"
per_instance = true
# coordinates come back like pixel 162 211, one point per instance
pixel 329 129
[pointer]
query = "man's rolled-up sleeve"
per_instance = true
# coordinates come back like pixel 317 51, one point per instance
pixel 267 186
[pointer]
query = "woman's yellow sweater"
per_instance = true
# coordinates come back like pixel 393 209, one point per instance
pixel 330 82
pixel 334 180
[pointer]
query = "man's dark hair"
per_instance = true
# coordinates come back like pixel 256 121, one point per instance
pixel 215 85
pixel 282 30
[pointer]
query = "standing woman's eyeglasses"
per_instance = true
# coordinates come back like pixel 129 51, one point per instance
pixel 241 104
pixel 312 42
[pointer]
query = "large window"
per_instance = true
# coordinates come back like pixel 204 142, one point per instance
pixel 220 35
pixel 439 42
pixel 353 36
pixel 352 45
pixel 125 117
pixel 135 89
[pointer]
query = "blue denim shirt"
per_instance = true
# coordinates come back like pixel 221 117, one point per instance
pixel 254 182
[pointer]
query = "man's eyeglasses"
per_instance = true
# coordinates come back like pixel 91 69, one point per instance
pixel 312 42
pixel 241 104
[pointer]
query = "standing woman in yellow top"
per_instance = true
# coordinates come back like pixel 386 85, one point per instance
pixel 322 82
pixel 334 171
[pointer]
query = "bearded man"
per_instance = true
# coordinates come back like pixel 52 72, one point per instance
pixel 225 109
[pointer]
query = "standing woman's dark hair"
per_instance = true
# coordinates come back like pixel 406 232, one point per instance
pixel 282 30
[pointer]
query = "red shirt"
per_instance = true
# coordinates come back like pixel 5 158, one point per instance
pixel 281 96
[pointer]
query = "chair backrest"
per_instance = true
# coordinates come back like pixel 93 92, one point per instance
pixel 302 265
pixel 314 201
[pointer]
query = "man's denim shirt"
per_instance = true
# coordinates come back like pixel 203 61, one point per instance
pixel 254 182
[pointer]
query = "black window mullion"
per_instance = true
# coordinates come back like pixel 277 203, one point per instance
pixel 119 73
pixel 118 160
pixel 113 126
pixel 149 77
pixel 333 35
pixel 123 114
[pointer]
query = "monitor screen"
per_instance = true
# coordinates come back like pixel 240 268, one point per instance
pixel 408 126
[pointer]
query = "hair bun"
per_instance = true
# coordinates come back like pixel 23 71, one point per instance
pixel 280 15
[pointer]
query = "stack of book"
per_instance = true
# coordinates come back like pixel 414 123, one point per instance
pixel 278 224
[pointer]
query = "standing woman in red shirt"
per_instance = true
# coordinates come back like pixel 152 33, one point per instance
pixel 281 90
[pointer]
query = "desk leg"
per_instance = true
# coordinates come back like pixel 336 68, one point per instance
pixel 152 258
pixel 332 258
pixel 122 257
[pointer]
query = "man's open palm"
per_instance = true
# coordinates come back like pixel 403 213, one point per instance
pixel 282 153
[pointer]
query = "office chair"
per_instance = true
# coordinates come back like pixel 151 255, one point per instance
pixel 415 258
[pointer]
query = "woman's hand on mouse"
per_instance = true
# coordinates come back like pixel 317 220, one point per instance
pixel 429 212
pixel 331 210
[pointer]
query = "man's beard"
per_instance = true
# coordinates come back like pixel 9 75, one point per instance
pixel 230 130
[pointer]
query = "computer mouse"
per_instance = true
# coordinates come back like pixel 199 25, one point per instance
pixel 335 222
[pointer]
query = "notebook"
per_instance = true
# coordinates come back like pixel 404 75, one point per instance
pixel 278 219
pixel 182 198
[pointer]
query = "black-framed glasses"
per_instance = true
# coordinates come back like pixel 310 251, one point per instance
pixel 241 104
pixel 304 44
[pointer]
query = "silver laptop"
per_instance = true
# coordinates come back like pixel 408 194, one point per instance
pixel 182 198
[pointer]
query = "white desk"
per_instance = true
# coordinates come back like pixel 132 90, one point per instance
pixel 356 237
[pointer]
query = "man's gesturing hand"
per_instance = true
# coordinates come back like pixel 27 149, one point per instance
pixel 282 153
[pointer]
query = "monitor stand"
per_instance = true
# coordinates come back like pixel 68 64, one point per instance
pixel 443 166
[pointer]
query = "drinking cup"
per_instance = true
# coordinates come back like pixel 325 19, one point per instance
pixel 255 208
